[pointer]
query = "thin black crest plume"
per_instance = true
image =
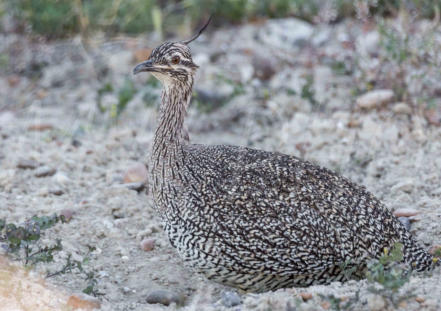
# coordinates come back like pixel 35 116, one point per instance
pixel 200 31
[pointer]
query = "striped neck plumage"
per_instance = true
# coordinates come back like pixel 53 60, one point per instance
pixel 170 133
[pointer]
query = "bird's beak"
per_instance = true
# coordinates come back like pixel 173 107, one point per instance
pixel 144 66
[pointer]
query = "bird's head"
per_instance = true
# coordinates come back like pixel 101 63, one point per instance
pixel 171 62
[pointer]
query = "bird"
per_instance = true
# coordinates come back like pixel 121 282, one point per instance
pixel 258 220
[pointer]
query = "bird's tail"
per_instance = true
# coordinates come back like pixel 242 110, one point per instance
pixel 413 254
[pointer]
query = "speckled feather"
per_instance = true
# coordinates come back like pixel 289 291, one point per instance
pixel 260 220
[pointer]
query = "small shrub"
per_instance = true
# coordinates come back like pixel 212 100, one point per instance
pixel 22 242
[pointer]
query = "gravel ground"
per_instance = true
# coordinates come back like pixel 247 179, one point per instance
pixel 257 86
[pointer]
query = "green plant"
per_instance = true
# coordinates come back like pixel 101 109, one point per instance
pixel 75 265
pixel 308 91
pixel 388 272
pixel 21 242
pixel 125 94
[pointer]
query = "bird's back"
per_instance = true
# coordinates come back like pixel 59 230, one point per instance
pixel 260 220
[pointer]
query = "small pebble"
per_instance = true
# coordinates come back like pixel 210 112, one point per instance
pixel 376 302
pixel 27 164
pixel 44 171
pixel 147 245
pixel 401 108
pixel 61 178
pixel 306 296
pixel 230 299
pixel 40 127
pixel 419 299
pixel 56 191
pixel 405 185
pixel 406 212
pixel 375 99
pixel 136 174
pixel 164 297
pixel 405 221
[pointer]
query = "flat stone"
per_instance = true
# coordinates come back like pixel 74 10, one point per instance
pixel 56 191
pixel 230 299
pixel 164 297
pixel 406 212
pixel 405 185
pixel 39 127
pixel 376 302
pixel 27 164
pixel 44 171
pixel 401 108
pixel 374 99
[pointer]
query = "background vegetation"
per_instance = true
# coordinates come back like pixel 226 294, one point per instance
pixel 63 18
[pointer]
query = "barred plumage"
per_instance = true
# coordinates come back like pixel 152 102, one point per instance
pixel 259 220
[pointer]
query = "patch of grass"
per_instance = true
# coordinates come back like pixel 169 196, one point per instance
pixel 125 94
pixel 55 19
pixel 308 91
pixel 106 88
pixel 389 273
pixel 78 266
pixel 210 105
pixel 22 241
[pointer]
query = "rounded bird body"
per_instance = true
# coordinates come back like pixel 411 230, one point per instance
pixel 259 220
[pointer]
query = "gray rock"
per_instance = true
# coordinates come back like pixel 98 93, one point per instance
pixel 274 33
pixel 374 99
pixel 368 43
pixel 402 108
pixel 27 164
pixel 164 297
pixel 136 186
pixel 230 299
pixel 375 302
pixel 56 191
pixel 404 185
pixel 44 171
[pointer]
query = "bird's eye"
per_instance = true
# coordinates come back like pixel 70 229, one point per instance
pixel 175 60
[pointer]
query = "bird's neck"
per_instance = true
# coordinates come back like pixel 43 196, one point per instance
pixel 170 134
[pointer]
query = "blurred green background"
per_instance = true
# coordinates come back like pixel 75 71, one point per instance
pixel 63 18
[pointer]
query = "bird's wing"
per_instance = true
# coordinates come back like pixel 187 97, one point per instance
pixel 278 211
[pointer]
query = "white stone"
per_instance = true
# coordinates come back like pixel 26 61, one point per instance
pixel 376 302
pixel 401 108
pixel 368 43
pixel 404 185
pixel 374 99
pixel 274 33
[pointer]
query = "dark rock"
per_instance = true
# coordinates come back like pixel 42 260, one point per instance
pixel 230 299
pixel 27 164
pixel 136 186
pixel 56 191
pixel 44 171
pixel 164 297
